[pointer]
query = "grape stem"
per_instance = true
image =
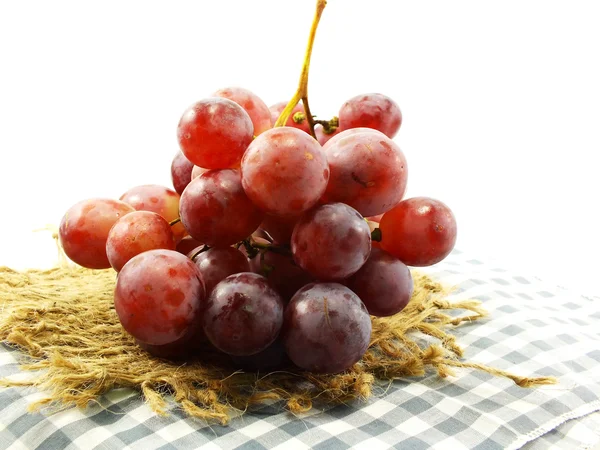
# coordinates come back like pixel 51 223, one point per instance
pixel 302 91
pixel 253 248
pixel 175 221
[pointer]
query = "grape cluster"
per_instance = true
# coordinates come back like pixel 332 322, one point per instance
pixel 277 244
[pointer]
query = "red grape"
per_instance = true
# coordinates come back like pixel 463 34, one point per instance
pixel 215 209
pixel 276 110
pixel 214 133
pixel 331 242
pixel 197 171
pixel 135 233
pixel 419 231
pixel 375 111
pixel 326 328
pixel 323 137
pixel 279 228
pixel 282 272
pixel 284 171
pixel 158 199
pixel 84 230
pixel 368 172
pixel 181 172
pixel 384 284
pixel 187 245
pixel 243 315
pixel 216 264
pixel 257 109
pixel 159 297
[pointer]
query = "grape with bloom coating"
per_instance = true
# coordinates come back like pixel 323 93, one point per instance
pixel 214 133
pixel 243 315
pixel 368 172
pixel 158 199
pixel 84 230
pixel 375 111
pixel 216 264
pixel 257 109
pixel 135 233
pixel 276 110
pixel 159 297
pixel 181 172
pixel 326 329
pixel 284 171
pixel 419 231
pixel 331 242
pixel 384 284
pixel 215 209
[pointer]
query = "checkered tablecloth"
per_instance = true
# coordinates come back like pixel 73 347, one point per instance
pixel 533 329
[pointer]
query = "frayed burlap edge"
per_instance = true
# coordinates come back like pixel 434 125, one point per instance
pixel 64 321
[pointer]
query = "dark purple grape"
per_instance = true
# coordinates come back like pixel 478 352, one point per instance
pixel 326 328
pixel 243 315
pixel 384 284
pixel 331 242
pixel 217 264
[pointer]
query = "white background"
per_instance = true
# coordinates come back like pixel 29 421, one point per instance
pixel 501 104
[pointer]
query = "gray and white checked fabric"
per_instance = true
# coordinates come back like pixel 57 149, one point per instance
pixel 533 329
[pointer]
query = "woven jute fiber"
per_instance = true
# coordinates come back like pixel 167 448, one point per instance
pixel 65 327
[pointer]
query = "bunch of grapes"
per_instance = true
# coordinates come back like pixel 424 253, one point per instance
pixel 274 244
pixel 282 237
